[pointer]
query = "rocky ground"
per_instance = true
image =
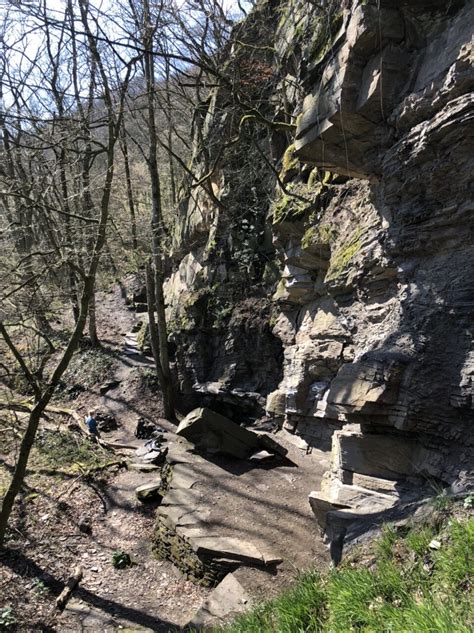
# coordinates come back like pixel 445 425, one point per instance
pixel 72 515
pixel 66 518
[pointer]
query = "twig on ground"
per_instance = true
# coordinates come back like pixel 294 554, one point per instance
pixel 98 493
pixel 71 584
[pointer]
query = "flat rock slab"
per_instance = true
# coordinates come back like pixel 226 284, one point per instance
pixel 215 433
pixel 228 599
pixel 149 492
pixel 230 548
pixel 143 468
pixel 177 516
pixel 179 453
pixel 182 497
pixel 224 513
pixel 184 476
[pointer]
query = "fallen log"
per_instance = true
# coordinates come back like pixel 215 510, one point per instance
pixel 71 584
pixel 26 406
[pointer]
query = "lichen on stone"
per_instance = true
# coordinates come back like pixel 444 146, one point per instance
pixel 322 234
pixel 342 257
pixel 281 292
pixel 323 40
pixel 290 207
pixel 289 161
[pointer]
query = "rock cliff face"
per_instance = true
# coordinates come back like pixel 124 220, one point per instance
pixel 368 344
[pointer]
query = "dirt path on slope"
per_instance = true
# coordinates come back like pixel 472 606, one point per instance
pixel 152 593
pixel 64 520
pixel 266 505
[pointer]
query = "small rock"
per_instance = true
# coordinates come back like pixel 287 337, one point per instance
pixel 434 544
pixel 149 492
pixel 262 456
pixel 147 429
pixel 106 422
pixel 84 525
pixel 108 386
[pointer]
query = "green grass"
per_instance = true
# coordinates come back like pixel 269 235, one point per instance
pixel 67 451
pixel 399 585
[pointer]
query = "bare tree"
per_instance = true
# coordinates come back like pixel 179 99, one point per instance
pixel 93 75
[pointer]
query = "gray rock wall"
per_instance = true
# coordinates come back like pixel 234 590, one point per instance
pixel 373 237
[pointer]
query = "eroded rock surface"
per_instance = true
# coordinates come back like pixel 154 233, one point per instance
pixel 368 350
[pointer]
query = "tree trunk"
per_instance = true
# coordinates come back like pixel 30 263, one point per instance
pixel 35 415
pixel 73 294
pixel 156 215
pixel 167 384
pixel 93 322
pixel 128 180
pixel 170 134
pixel 113 126
pixel 20 469
pixel 154 341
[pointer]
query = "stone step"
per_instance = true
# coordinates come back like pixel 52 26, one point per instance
pixel 143 468
pixel 227 547
pixel 149 492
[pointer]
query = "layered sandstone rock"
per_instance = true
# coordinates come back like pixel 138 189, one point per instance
pixel 387 345
pixel 373 234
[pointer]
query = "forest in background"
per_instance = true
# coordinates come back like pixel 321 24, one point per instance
pixel 102 116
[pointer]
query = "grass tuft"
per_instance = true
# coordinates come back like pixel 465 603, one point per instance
pixel 407 585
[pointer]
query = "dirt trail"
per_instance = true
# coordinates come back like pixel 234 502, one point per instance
pixel 151 594
pixel 265 505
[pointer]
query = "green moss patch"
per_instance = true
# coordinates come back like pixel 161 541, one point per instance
pixel 88 368
pixel 323 234
pixel 323 41
pixel 343 256
pixel 289 162
pixel 292 206
pixel 67 451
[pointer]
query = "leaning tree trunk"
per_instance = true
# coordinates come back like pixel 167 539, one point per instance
pixel 35 415
pixel 151 305
pixel 128 182
pixel 93 322
pixel 113 126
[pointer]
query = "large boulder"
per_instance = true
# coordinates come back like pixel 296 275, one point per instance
pixel 215 433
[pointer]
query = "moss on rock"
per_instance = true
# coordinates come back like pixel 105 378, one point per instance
pixel 289 162
pixel 322 234
pixel 342 257
pixel 290 207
